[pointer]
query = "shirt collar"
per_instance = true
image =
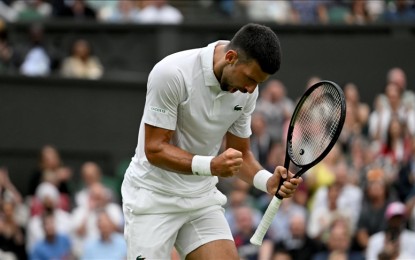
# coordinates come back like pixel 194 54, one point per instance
pixel 207 64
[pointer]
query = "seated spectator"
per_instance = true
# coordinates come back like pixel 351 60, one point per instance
pixel 245 229
pixel 399 11
pixel 323 216
pixel 35 58
pixel 276 107
pixel 278 11
pixel 10 194
pixel 238 197
pixel 84 218
pixel 261 141
pixel 338 243
pixel 54 245
pixel 298 245
pixel 48 194
pixel 348 197
pixel 77 10
pixel 395 151
pixel 109 245
pixel 376 198
pixel 395 241
pixel 308 12
pixel 7 54
pixel 336 11
pixel 81 63
pixel 50 169
pixel 12 234
pixel 125 11
pixel 31 10
pixel 91 173
pixel 280 225
pixel 159 12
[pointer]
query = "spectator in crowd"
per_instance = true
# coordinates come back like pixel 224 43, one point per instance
pixel 359 13
pixel 239 196
pixel 125 11
pixel 77 10
pixel 323 174
pixel 276 107
pixel 31 10
pixel 12 234
pixel 261 141
pixel 399 11
pixel 91 173
pixel 358 115
pixel 280 225
pixel 7 190
pixel 159 12
pixel 375 10
pixel 278 11
pixel 338 243
pixel 395 241
pixel 395 151
pixel 54 245
pixel 380 118
pixel 109 245
pixel 298 245
pixel 336 11
pixel 7 53
pixel 376 198
pixel 397 76
pixel 52 170
pixel 308 12
pixel 48 195
pixel 35 57
pixel 81 63
pixel 322 217
pixel 84 218
pixel 245 229
pixel 348 198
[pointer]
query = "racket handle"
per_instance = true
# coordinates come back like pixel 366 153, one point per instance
pixel 266 221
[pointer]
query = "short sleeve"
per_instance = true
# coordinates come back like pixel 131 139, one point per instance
pixel 165 91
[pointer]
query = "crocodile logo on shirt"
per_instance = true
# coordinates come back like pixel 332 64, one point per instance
pixel 237 108
pixel 140 258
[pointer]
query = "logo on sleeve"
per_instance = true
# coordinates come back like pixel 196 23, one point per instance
pixel 158 110
pixel 237 108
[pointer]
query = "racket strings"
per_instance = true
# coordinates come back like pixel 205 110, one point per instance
pixel 315 124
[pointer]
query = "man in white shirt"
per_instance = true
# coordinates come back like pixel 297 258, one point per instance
pixel 194 99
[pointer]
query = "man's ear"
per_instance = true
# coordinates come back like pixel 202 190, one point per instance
pixel 231 57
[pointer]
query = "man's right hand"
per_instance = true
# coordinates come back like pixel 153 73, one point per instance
pixel 227 164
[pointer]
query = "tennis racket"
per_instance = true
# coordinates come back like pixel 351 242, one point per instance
pixel 314 127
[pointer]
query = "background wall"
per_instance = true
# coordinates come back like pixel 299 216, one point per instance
pixel 98 120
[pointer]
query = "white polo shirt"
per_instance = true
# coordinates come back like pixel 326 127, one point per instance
pixel 184 95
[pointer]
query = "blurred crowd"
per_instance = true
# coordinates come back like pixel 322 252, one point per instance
pixel 178 11
pixel 358 203
pixel 38 56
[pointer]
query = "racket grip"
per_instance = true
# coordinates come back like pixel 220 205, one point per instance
pixel 266 221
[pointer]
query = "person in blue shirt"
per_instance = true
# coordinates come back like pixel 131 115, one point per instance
pixel 110 244
pixel 54 245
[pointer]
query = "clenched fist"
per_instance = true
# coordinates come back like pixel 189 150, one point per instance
pixel 227 164
pixel 288 187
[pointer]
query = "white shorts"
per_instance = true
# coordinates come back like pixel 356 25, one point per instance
pixel 154 222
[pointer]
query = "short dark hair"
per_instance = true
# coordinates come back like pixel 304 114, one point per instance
pixel 260 43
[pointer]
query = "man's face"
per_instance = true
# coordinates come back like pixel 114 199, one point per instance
pixel 241 76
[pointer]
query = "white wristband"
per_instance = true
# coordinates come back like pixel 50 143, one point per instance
pixel 201 165
pixel 261 179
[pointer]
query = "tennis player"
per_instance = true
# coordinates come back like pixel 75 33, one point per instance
pixel 194 99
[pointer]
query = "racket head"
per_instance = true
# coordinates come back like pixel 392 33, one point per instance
pixel 315 125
